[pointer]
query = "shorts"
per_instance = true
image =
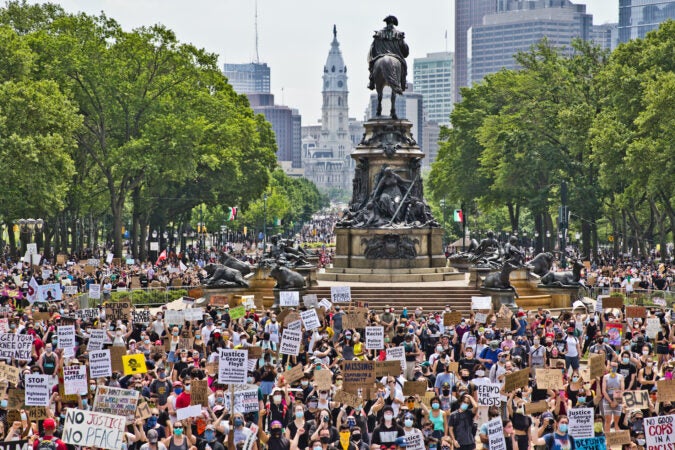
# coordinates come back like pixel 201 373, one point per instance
pixel 608 410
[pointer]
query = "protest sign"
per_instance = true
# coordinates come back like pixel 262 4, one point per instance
pixel 193 314
pixel 49 292
pixel 87 314
pixel 134 364
pixel 294 374
pixel 143 409
pixel 36 413
pixel 116 354
pixel 310 300
pixel 115 311
pixel 598 304
pixel 245 399
pixel 174 317
pixel 597 365
pixel 415 388
pixel 93 429
pixel 354 320
pixel 15 444
pixel 548 378
pixel 481 303
pixel 619 437
pixel 659 431
pixel 513 381
pixel 99 364
pixel 17 346
pixel 495 432
pixel 340 294
pixel 488 394
pixel 358 373
pixel 374 338
pixel 70 290
pixel 66 336
pixel 659 301
pixel 387 368
pixel 232 366
pixel 612 302
pixel 347 398
pixel 636 399
pixel 581 422
pixel 38 390
pixel 310 320
pixel 593 443
pixel 481 317
pixel 9 373
pixel 536 407
pixel 237 312
pixel 414 440
pixel 653 327
pixel 325 304
pixel 75 380
pixel 112 400
pixel 615 333
pixel 665 390
pixel 199 392
pixel 295 325
pixel 636 311
pixel 189 411
pixel 452 318
pixel 16 398
pixel 141 316
pixel 95 292
pixel 96 339
pixel 290 342
pixel 323 379
pixel 397 353
pixel 289 298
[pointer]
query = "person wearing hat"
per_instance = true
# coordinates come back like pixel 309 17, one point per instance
pixel 461 422
pixel 389 41
pixel 490 355
pixel 47 439
pixel 411 427
pixel 153 441
pixel 388 430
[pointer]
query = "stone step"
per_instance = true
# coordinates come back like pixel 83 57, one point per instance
pixel 390 277
pixel 425 270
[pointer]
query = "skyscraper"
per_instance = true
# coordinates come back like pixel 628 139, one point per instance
pixel 638 17
pixel 286 124
pixel 468 13
pixel 251 78
pixel 433 79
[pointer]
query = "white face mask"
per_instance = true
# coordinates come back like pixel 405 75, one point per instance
pixel 277 399
pixel 388 417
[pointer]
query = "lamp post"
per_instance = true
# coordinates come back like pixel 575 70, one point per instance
pixel 442 204
pixel 548 237
pixel 264 222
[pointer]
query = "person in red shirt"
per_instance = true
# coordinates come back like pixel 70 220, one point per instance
pixel 183 399
pixel 49 426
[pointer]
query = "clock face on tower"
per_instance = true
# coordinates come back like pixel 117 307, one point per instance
pixel 339 83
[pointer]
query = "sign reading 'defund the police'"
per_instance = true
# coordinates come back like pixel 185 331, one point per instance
pixel 232 366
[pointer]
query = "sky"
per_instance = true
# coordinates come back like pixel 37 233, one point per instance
pixel 294 36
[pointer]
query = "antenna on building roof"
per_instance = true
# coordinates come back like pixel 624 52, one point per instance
pixel 257 56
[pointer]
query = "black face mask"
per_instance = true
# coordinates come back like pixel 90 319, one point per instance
pixel 276 433
pixel 446 391
pixel 325 440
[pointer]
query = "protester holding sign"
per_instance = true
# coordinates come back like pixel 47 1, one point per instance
pixel 557 440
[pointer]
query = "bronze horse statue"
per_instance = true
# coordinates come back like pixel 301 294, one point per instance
pixel 387 72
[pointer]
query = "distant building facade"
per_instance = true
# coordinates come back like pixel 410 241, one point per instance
pixel 606 36
pixel 638 17
pixel 251 78
pixel 287 126
pixel 432 77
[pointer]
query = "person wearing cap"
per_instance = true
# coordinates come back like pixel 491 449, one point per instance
pixel 49 426
pixel 275 439
pixel 388 430
pixel 490 355
pixel 411 426
pixel 460 424
pixel 153 441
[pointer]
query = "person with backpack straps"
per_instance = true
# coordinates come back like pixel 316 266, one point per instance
pixel 48 441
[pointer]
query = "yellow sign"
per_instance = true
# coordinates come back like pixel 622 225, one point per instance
pixel 610 238
pixel 134 364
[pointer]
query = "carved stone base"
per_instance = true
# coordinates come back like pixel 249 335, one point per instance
pixel 501 297
pixel 389 248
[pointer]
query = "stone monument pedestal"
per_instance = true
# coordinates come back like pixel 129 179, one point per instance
pixel 561 296
pixel 501 297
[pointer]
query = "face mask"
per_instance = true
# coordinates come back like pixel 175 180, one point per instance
pixel 277 399
pixel 575 379
pixel 613 369
pixel 435 405
pixel 626 347
pixel 388 417
pixel 250 380
pixel 175 333
pixel 325 439
pixel 640 441
pixel 299 414
pixel 3 403
pixel 209 435
pixel 597 427
pixel 520 410
pixel 152 421
pixel 49 351
pixel 446 391
pixel 465 377
pixel 464 407
pixel 439 348
pixel 197 336
pixel 178 431
pixel 581 399
pixel 317 447
pixel 238 422
pixel 408 423
pixel 356 438
pixel 625 360
pixel 536 341
pixel 276 432
pixel 146 341
pixel 645 352
pixel 178 390
pixel 605 340
pixel 187 388
pixel 304 383
pixel 24 416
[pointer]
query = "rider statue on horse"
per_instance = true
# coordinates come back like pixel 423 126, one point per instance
pixel 386 61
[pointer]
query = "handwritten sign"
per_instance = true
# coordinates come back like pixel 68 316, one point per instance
pixel 636 399
pixel 636 311
pixel 340 294
pixel 99 364
pixel 488 394
pixel 75 380
pixel 289 298
pixel 294 374
pixel 619 437
pixel 481 303
pixel 452 318
pixel 594 443
pixel 117 311
pixel 310 320
pixel 199 393
pixel 323 379
pixel 415 388
pixel 536 407
pixel 659 431
pixel 515 380
pixel 140 316
pixel 665 390
pixel 387 369
pixel 120 402
pixel 9 373
pixel 597 365
pixel 612 302
pixel 549 378
pixel 358 373
pixel 93 429
pixel 17 346
pixel 310 300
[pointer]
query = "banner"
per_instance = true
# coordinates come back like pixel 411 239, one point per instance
pixel 99 364
pixel 117 401
pixel 134 364
pixel 75 379
pixel 93 429
pixel 495 432
pixel 38 390
pixel 17 346
pixel 310 320
pixel 232 366
pixel 659 432
pixel 581 422
pixel 290 342
pixel 374 338
pixel 340 294
pixel 289 298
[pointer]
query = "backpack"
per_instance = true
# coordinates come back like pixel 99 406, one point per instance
pixel 47 444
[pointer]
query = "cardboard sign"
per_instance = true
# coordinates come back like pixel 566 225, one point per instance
pixel 415 388
pixel 36 413
pixel 347 398
pixel 665 390
pixel 636 399
pixel 340 294
pixel 290 342
pixel 310 320
pixel 143 410
pixel 488 394
pixel 619 437
pixel 117 401
pixel 594 443
pixel 358 372
pixel 353 321
pixel 118 311
pixel 374 338
pixel 38 390
pixel 16 398
pixel 292 317
pixel 453 367
pixel 636 311
pixel 232 368
pixel 93 429
pixel 75 380
pixel 597 365
pixel 10 373
pixel 612 302
pixel 134 364
pixel 659 431
pixel 495 432
pixel 294 374
pixel 310 300
pixel 536 407
pixel 99 364
pixel 289 298
pixel 549 379
pixel 116 354
pixel 581 422
pixel 387 369
pixel 323 379
pixel 481 303
pixel 199 393
pixel 515 380
pixel 452 318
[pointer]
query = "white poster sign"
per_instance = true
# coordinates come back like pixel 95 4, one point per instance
pixel 232 366
pixel 189 411
pixel 75 380
pixel 95 291
pixel 17 346
pixel 495 431
pixel 66 335
pixel 99 364
pixel 290 342
pixel 653 327
pixel 49 292
pixel 310 319
pixel 398 353
pixel 581 422
pixel 659 432
pixel 289 298
pixel 310 300
pixel 488 394
pixel 481 302
pixel 97 338
pixel 374 338
pixel 93 429
pixel 38 390
pixel 340 294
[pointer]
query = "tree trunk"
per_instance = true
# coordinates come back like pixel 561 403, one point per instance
pixel 586 239
pixel 143 239
pixel 12 240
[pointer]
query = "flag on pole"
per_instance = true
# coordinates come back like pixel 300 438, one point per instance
pixel 162 257
pixel 458 216
pixel 182 266
pixel 32 290
pixel 232 213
